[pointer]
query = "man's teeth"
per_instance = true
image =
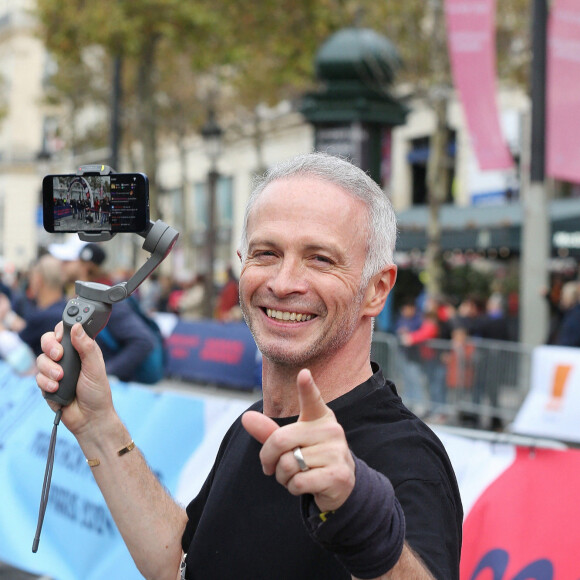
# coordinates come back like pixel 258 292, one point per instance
pixel 280 315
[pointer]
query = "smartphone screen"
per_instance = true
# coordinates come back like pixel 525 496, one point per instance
pixel 96 203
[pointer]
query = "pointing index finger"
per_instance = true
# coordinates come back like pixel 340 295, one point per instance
pixel 312 405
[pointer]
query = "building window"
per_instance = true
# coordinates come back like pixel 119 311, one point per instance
pixel 418 158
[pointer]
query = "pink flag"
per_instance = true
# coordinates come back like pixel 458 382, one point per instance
pixel 471 43
pixel 563 92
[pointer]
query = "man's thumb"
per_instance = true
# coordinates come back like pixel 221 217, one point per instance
pixel 258 425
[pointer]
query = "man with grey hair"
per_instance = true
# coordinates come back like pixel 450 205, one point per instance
pixel 329 475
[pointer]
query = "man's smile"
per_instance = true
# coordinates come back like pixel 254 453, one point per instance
pixel 290 316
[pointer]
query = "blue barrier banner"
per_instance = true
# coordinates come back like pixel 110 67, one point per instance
pixel 214 352
pixel 79 539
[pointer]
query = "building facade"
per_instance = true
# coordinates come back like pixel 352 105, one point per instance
pixel 30 148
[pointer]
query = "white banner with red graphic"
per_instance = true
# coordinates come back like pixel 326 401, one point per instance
pixel 552 407
pixel 522 514
pixel 563 91
pixel 471 43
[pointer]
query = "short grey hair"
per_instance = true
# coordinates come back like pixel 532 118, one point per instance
pixel 382 224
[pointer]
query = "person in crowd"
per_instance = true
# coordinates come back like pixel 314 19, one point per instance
pixel 5 289
pixel 470 313
pixel 45 292
pixel 329 476
pixel 127 341
pixel 429 357
pixel 189 303
pixel 568 333
pixel 46 288
pixel 410 320
pixel 13 350
pixel 494 324
pixel 459 362
pixel 228 303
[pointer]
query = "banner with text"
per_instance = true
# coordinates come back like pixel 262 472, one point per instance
pixel 471 44
pixel 209 351
pixel 79 540
pixel 522 519
pixel 563 91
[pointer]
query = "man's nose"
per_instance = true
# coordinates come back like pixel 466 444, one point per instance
pixel 288 278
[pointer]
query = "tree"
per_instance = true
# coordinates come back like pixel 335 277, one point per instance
pixel 258 53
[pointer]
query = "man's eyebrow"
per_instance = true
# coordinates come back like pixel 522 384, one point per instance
pixel 268 242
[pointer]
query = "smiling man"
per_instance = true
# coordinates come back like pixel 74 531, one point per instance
pixel 328 477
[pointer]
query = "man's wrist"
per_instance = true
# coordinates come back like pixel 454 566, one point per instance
pixel 103 436
pixel 367 533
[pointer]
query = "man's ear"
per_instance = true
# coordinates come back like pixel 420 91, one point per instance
pixel 378 290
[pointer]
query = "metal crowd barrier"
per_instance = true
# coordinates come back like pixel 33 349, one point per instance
pixel 477 383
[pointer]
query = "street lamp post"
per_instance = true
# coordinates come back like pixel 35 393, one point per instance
pixel 212 135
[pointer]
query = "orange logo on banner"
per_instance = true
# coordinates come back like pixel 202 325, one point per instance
pixel 559 386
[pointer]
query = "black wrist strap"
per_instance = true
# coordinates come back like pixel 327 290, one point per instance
pixel 47 480
pixel 367 533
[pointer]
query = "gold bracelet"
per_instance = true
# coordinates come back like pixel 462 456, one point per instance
pixel 126 449
pixel 122 451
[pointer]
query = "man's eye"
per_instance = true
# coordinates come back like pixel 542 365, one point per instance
pixel 263 254
pixel 323 259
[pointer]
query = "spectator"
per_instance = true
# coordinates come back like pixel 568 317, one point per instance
pixel 433 368
pixel 470 314
pixel 409 360
pixel 494 325
pixel 228 304
pixel 568 333
pixel 13 350
pixel 459 361
pixel 190 302
pixel 127 341
pixel 46 290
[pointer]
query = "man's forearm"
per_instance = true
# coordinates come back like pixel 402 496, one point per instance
pixel 409 567
pixel 149 520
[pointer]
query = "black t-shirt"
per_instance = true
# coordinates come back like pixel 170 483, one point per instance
pixel 244 524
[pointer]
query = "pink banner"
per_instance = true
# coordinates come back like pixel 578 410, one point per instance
pixel 563 92
pixel 471 43
pixel 525 525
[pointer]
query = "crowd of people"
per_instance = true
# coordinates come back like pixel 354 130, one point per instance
pixel 438 348
pixel 95 210
pixel 450 351
pixel 36 305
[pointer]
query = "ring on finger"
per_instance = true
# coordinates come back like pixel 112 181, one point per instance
pixel 297 451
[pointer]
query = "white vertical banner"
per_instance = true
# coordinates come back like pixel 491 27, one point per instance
pixel 552 407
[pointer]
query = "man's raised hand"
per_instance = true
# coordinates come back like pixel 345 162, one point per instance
pixel 330 477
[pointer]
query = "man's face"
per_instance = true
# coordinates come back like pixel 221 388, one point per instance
pixel 300 282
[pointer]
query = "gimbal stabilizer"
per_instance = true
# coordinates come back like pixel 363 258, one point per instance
pixel 92 308
pixel 94 301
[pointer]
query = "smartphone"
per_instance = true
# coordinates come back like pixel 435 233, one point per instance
pixel 114 203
